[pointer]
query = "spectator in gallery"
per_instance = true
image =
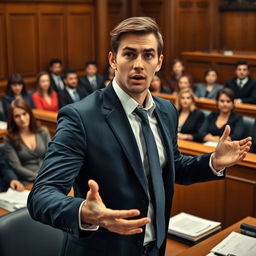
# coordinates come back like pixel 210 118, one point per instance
pixel 109 74
pixel 185 81
pixel 92 81
pixel 8 178
pixel 55 68
pixel 243 85
pixel 72 92
pixel 210 88
pixel 215 122
pixel 190 118
pixel 45 97
pixel 177 71
pixel 156 84
pixel 25 143
pixel 16 88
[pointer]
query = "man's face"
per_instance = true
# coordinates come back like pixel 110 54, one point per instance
pixel 135 64
pixel 91 70
pixel 56 69
pixel 242 71
pixel 71 80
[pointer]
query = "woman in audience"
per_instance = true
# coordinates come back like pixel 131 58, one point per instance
pixel 176 73
pixel 45 97
pixel 210 88
pixel 156 84
pixel 25 143
pixel 15 88
pixel 190 118
pixel 184 82
pixel 215 123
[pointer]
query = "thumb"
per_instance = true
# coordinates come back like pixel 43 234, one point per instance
pixel 93 193
pixel 226 133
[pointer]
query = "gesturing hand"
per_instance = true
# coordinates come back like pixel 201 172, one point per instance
pixel 95 212
pixel 230 152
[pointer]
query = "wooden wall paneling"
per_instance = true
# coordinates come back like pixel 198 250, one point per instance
pixel 3 47
pixel 52 40
pixel 80 38
pixel 116 13
pixel 197 70
pixel 203 199
pixel 22 43
pixel 225 71
pixel 237 31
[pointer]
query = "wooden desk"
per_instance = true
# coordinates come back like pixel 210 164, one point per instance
pixel 205 246
pixel 197 63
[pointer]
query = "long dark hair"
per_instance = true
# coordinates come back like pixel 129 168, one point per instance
pixel 13 133
pixel 15 78
pixel 50 90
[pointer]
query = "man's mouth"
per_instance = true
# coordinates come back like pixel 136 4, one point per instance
pixel 137 77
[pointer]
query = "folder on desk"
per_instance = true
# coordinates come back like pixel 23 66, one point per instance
pixel 190 229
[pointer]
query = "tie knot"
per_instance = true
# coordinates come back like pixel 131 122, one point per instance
pixel 142 114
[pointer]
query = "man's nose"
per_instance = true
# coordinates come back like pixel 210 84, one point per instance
pixel 138 63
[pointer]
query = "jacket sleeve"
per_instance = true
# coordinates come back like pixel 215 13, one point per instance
pixel 48 201
pixel 14 161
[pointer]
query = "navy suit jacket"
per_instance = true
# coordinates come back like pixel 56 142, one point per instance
pixel 84 83
pixel 247 94
pixel 94 140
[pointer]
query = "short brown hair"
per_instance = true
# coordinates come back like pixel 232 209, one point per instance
pixel 136 25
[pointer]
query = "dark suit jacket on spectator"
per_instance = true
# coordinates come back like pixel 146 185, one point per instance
pixel 247 94
pixel 193 123
pixel 54 85
pixel 65 98
pixel 209 126
pixel 84 83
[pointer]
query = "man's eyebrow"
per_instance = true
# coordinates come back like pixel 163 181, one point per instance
pixel 134 49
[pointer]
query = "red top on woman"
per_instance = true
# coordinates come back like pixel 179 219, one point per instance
pixel 41 103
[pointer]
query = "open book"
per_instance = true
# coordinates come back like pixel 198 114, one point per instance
pixel 12 200
pixel 190 229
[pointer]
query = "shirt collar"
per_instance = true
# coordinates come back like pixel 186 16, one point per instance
pixel 129 104
pixel 70 90
pixel 244 81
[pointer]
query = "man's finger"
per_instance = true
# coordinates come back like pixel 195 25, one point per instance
pixel 226 133
pixel 244 141
pixel 121 214
pixel 93 193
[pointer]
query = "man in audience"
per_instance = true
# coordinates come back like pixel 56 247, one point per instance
pixel 91 81
pixel 55 68
pixel 72 92
pixel 8 178
pixel 118 149
pixel 243 85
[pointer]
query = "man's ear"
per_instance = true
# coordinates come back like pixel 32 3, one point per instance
pixel 112 60
pixel 160 62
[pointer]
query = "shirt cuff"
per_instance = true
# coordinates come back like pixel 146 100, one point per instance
pixel 85 227
pixel 217 173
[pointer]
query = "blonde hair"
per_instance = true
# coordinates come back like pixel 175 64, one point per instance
pixel 193 97
pixel 136 25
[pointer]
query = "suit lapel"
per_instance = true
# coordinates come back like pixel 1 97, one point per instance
pixel 119 123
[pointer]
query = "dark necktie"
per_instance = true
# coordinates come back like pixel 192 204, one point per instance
pixel 155 179
pixel 75 96
pixel 240 83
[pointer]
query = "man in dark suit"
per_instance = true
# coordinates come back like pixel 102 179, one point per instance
pixel 243 85
pixel 103 148
pixel 72 92
pixel 91 81
pixel 55 68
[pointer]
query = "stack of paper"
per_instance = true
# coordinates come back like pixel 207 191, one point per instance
pixel 191 229
pixel 3 125
pixel 236 244
pixel 13 200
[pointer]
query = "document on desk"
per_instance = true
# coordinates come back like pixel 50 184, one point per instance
pixel 236 244
pixel 12 200
pixel 191 227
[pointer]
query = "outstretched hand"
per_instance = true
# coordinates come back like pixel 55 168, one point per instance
pixel 95 212
pixel 229 152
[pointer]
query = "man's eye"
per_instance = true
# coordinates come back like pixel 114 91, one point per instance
pixel 129 54
pixel 149 55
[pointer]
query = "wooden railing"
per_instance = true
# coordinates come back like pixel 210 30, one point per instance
pixel 248 110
